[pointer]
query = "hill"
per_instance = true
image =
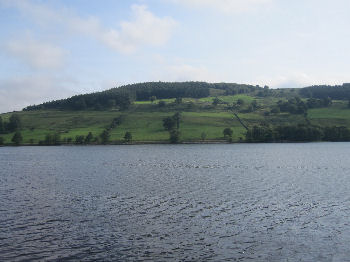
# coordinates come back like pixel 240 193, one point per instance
pixel 185 112
pixel 122 97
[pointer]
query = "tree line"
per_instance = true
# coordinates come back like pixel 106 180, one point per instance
pixel 296 105
pixel 338 92
pixel 297 133
pixel 55 139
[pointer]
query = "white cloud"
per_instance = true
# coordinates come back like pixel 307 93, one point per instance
pixel 290 81
pixel 187 72
pixel 179 70
pixel 299 79
pixel 225 6
pixel 145 28
pixel 19 92
pixel 36 54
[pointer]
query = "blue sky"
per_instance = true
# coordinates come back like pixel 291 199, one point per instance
pixel 57 48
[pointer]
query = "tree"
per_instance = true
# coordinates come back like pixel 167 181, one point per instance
pixel 327 101
pixel 174 136
pixel 240 102
pixel 79 140
pixel 2 141
pixel 111 103
pixel 216 101
pixel 52 139
pixel 152 99
pixel 177 117
pixel 124 102
pixel 254 104
pixel 117 121
pixel 14 123
pixel 294 106
pixel 17 138
pixel 80 104
pixel 127 137
pixel 2 129
pixel 203 136
pixel 228 132
pixel 105 136
pixel 259 134
pixel 98 107
pixel 88 138
pixel 169 123
pixel 336 133
pixel 56 139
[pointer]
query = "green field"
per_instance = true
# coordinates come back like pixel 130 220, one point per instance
pixel 338 114
pixel 144 120
pixel 144 126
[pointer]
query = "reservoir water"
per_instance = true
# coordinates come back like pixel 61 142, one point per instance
pixel 238 202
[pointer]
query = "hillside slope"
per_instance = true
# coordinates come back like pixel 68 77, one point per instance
pixel 202 119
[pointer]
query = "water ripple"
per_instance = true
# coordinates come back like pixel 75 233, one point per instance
pixel 182 203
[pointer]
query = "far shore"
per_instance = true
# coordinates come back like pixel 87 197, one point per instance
pixel 209 142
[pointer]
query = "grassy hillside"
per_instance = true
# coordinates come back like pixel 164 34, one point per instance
pixel 144 119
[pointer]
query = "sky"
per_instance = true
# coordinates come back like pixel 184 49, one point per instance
pixel 54 49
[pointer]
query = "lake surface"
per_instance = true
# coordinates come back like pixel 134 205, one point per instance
pixel 238 202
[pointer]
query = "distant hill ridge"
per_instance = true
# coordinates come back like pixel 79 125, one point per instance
pixel 122 97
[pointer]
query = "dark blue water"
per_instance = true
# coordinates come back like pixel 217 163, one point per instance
pixel 246 202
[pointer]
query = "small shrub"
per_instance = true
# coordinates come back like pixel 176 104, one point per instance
pixel 127 137
pixel 228 132
pixel 17 138
pixel 174 136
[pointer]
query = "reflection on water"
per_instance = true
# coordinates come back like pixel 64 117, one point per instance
pixel 265 202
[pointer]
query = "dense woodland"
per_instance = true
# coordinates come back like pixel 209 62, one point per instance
pixel 297 133
pixel 94 101
pixel 324 91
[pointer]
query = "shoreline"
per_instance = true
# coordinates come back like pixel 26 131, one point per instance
pixel 131 143
pixel 212 142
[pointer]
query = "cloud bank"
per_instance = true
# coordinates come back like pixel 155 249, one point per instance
pixel 225 6
pixel 144 28
pixel 36 53
pixel 19 92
